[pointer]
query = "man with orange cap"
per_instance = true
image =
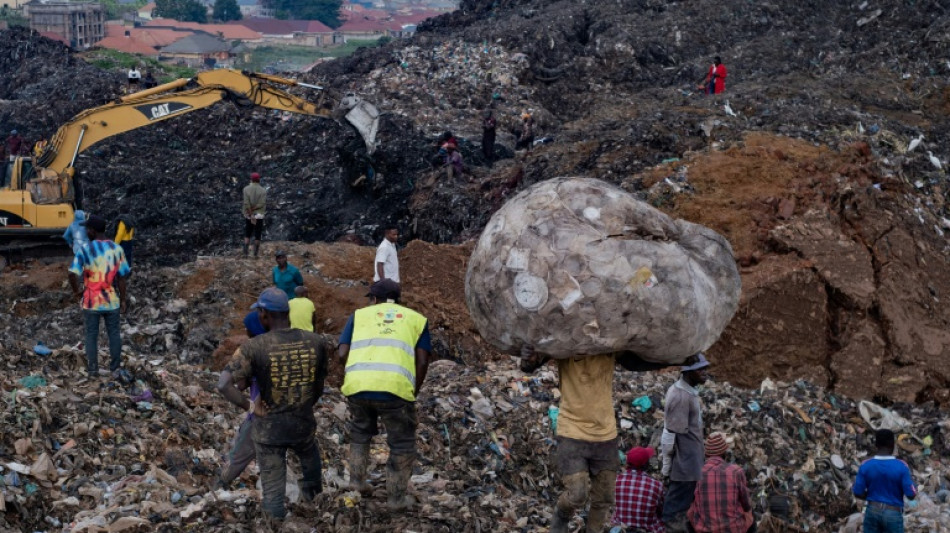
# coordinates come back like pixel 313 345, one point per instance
pixel 721 503
pixel 638 496
pixel 254 208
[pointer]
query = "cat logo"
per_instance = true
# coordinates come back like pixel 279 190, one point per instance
pixel 161 111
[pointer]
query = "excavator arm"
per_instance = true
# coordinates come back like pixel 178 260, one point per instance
pixel 175 98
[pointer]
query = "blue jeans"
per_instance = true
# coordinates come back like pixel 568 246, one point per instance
pixel 272 461
pixel 877 520
pixel 92 339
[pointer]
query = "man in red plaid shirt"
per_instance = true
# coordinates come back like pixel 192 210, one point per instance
pixel 639 497
pixel 722 503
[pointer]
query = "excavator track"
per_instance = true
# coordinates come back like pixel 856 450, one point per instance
pixel 15 251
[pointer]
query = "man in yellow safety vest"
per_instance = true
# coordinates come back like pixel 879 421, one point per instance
pixel 385 349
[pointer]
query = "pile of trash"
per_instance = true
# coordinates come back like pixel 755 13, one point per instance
pixel 144 448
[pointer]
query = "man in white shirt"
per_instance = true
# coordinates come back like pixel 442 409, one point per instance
pixel 387 263
pixel 134 77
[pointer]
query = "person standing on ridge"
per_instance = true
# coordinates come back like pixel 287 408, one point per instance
pixel 386 264
pixel 715 80
pixel 254 207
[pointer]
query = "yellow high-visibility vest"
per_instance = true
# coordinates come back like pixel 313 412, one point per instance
pixel 382 354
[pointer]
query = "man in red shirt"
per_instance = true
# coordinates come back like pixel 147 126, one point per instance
pixel 722 503
pixel 715 81
pixel 639 497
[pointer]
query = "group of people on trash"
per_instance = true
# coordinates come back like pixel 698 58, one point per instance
pixel 384 349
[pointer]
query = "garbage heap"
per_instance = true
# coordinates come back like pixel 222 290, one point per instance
pixel 142 449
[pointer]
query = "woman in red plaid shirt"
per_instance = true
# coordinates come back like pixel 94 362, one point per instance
pixel 722 503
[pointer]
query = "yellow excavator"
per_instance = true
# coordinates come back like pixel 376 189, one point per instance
pixel 39 193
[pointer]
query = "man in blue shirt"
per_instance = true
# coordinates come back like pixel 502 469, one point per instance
pixel 286 276
pixel 884 481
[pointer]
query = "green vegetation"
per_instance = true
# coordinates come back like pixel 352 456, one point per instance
pixel 290 58
pixel 115 10
pixel 225 10
pixel 184 10
pixel 13 17
pixel 114 60
pixel 326 11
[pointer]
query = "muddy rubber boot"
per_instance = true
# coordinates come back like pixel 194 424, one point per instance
pixel 398 472
pixel 559 522
pixel 245 249
pixel 257 247
pixel 601 500
pixel 359 459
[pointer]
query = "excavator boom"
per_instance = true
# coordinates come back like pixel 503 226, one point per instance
pixel 37 194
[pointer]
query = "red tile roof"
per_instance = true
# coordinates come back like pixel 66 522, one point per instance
pixel 127 45
pixel 361 25
pixel 225 31
pixel 154 37
pixel 269 26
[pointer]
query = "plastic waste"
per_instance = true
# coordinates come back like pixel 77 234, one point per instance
pixel 552 415
pixel 41 349
pixel 32 382
pixel 642 404
pixel 880 417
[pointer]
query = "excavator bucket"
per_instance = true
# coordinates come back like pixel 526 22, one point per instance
pixel 364 116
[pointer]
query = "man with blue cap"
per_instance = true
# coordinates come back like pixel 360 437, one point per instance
pixel 290 366
pixel 681 446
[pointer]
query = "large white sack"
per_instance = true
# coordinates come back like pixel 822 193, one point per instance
pixel 576 266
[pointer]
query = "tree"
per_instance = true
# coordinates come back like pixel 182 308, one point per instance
pixel 225 10
pixel 326 11
pixel 183 10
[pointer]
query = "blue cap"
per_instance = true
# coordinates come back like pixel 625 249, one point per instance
pixel 273 299
pixel 700 364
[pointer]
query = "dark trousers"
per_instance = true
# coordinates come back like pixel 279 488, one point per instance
pixel 128 248
pixel 92 339
pixel 241 454
pixel 878 520
pixel 488 145
pixel 272 461
pixel 255 228
pixel 679 497
pixel 398 415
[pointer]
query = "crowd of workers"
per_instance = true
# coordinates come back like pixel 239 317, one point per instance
pixel 385 350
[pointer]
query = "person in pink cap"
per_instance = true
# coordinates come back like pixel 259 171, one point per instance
pixel 638 496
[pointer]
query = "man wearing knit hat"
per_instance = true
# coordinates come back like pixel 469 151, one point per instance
pixel 254 208
pixel 682 442
pixel 639 497
pixel 722 503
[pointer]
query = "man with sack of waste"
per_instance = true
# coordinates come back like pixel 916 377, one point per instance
pixel 290 366
pixel 587 456
pixel 385 350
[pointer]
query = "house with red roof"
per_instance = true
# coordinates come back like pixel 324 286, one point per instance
pixel 128 45
pixel 298 32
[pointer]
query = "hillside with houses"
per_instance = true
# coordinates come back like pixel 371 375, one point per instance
pixel 142 32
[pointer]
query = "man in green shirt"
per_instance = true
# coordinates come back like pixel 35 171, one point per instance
pixel 286 276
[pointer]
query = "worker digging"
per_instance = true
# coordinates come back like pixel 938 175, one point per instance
pixel 652 303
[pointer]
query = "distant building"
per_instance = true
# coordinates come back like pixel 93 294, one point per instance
pixel 80 24
pixel 200 50
pixel 12 4
pixel 145 12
